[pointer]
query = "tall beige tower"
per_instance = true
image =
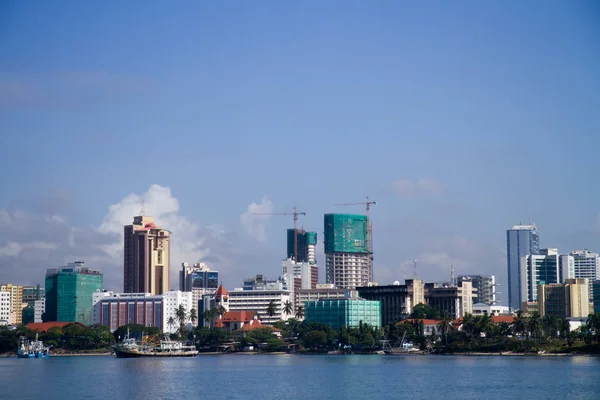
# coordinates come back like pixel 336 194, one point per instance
pixel 147 255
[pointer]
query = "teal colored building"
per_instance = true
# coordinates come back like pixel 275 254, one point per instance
pixel 596 290
pixel 305 242
pixel 348 313
pixel 69 293
pixel 346 233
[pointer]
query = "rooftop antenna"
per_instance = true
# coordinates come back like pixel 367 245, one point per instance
pixel 142 211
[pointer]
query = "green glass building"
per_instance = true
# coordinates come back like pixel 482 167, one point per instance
pixel 348 313
pixel 306 242
pixel 596 296
pixel 346 233
pixel 69 293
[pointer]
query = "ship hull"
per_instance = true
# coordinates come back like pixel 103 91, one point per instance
pixel 122 353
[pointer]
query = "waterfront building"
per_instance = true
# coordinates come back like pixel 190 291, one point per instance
pixel 544 268
pixel 172 300
pixel 453 300
pixel 198 279
pixel 305 295
pixel 16 303
pixel 118 309
pixel 39 308
pixel 258 300
pixel 485 285
pixel 30 295
pixel 596 298
pixel 69 293
pixel 307 254
pixel 348 313
pixel 347 250
pixel 490 309
pixel 397 301
pixel 521 240
pixel 4 307
pixel 565 300
pixel 587 265
pixel 147 252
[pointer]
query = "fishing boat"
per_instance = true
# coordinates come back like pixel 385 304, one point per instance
pixel 130 348
pixel 399 347
pixel 32 349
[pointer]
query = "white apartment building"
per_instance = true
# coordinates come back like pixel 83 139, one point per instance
pixel 587 265
pixel 39 308
pixel 4 307
pixel 172 301
pixel 347 270
pixel 490 309
pixel 258 300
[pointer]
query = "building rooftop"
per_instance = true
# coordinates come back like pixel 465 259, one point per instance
pixel 530 227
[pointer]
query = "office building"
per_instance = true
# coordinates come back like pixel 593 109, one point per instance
pixel 596 298
pixel 118 309
pixel 544 268
pixel 485 285
pixel 587 266
pixel 306 244
pixel 198 279
pixel 147 252
pixel 69 293
pixel 490 309
pixel 258 300
pixel 565 300
pixel 453 300
pixel 521 240
pixel 16 303
pixel 397 301
pixel 39 308
pixel 30 295
pixel 4 307
pixel 346 250
pixel 348 313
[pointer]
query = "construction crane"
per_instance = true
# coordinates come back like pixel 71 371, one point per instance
pixel 368 204
pixel 295 213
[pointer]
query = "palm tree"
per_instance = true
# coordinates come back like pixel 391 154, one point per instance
pixel 271 308
pixel 288 308
pixel 181 316
pixel 300 312
pixel 171 322
pixel 519 325
pixel 593 324
pixel 444 325
pixel 193 316
pixel 535 324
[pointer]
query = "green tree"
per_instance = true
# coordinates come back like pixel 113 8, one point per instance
pixel 171 322
pixel 271 308
pixel 300 312
pixel 425 311
pixel 288 307
pixel 314 339
pixel 193 317
pixel 181 316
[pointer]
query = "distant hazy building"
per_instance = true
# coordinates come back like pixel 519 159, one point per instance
pixel 16 303
pixel 565 300
pixel 454 301
pixel 69 293
pixel 521 241
pixel 348 313
pixel 544 268
pixel 397 301
pixel 485 285
pixel 587 265
pixel 147 251
pixel 346 250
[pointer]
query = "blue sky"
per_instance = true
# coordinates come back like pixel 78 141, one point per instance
pixel 492 106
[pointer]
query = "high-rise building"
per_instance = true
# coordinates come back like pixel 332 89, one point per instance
pixel 147 253
pixel 397 301
pixel 16 303
pixel 346 250
pixel 565 300
pixel 69 293
pixel 306 243
pixel 30 295
pixel 485 285
pixel 542 269
pixel 521 241
pixel 596 298
pixel 4 307
pixel 199 280
pixel 587 265
pixel 453 300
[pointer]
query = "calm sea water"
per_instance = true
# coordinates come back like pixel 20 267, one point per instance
pixel 301 377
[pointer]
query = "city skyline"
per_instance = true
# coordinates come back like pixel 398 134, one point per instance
pixel 446 116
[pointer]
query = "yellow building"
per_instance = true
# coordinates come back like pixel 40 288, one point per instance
pixel 15 304
pixel 565 300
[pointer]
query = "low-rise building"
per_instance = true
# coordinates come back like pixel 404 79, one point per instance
pixel 259 300
pixel 39 308
pixel 453 300
pixel 490 309
pixel 348 313
pixel 397 301
pixel 5 307
pixel 565 300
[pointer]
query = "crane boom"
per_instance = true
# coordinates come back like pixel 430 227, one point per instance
pixel 295 213
pixel 367 205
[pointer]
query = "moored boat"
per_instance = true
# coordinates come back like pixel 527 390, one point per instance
pixel 130 348
pixel 32 349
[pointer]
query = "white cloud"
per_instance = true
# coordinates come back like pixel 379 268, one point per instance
pixel 422 187
pixel 255 225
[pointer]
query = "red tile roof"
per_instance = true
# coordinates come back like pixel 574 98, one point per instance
pixel 425 321
pixel 509 319
pixel 44 326
pixel 238 316
pixel 221 291
pixel 257 325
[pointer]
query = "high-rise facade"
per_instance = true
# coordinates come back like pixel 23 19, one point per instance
pixel 69 293
pixel 587 266
pixel 16 303
pixel 346 250
pixel 147 251
pixel 542 269
pixel 521 241
pixel 485 285
pixel 565 300
pixel 306 243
